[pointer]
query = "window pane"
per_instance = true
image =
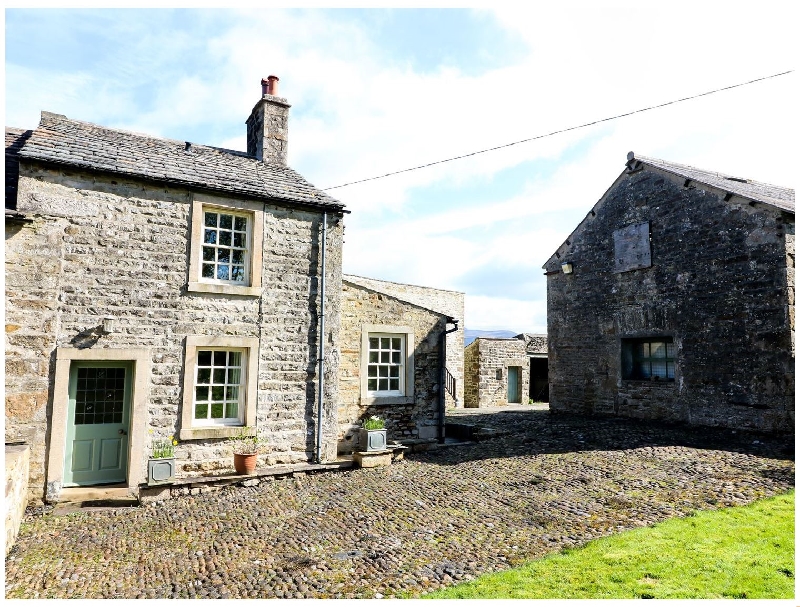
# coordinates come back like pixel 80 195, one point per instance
pixel 659 369
pixel 239 240
pixel 220 357
pixel 394 371
pixel 219 376
pixel 222 272
pixel 238 257
pixel 383 384
pixel 373 357
pixel 372 384
pixel 208 254
pixel 384 343
pixel 232 393
pixel 670 370
pixel 217 410
pixel 372 371
pixel 217 392
pixel 201 393
pixel 208 270
pixel 223 255
pixel 383 371
pixel 373 343
pixel 211 220
pixel 234 375
pixel 234 359
pixel 394 384
pixel 204 358
pixel 233 410
pixel 224 239
pixel 385 357
pixel 670 350
pixel 396 358
pixel 657 349
pixel 201 411
pixel 226 221
pixel 210 237
pixel 395 343
pixel 204 376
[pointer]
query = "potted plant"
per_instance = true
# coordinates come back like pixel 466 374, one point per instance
pixel 372 435
pixel 246 446
pixel 161 465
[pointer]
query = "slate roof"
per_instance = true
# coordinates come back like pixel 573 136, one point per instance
pixel 63 141
pixel 777 196
pixel 15 138
pixel 395 290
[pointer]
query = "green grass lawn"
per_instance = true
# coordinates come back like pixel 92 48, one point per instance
pixel 745 552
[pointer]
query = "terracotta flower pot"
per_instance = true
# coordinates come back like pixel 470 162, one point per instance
pixel 245 463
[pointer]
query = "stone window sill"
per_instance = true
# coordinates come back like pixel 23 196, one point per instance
pixel 388 400
pixel 213 432
pixel 220 289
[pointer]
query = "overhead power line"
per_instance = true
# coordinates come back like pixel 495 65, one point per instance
pixel 572 128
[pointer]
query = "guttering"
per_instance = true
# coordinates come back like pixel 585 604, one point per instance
pixel 321 355
pixel 442 362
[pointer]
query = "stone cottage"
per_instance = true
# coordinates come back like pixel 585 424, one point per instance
pixel 500 371
pixel 160 288
pixel 674 300
pixel 392 336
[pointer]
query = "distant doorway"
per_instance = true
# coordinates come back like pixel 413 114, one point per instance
pixel 514 392
pixel 539 390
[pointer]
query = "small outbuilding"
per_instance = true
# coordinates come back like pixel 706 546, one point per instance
pixel 399 343
pixel 673 300
pixel 500 371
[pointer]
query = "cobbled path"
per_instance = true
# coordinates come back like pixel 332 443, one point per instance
pixel 430 521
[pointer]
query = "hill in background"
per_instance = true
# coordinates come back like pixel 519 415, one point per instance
pixel 470 335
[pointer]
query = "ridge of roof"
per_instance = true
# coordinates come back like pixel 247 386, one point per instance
pixel 779 197
pixel 774 195
pixel 65 141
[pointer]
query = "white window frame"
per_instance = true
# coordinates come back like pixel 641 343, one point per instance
pixel 192 428
pixel 405 395
pixel 254 212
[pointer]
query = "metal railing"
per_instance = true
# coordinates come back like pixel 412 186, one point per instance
pixel 449 383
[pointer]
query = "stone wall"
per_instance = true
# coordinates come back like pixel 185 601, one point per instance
pixel 446 302
pixel 413 420
pixel 486 371
pixel 102 246
pixel 719 284
pixel 17 466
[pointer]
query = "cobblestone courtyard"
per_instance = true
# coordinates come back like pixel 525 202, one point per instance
pixel 430 521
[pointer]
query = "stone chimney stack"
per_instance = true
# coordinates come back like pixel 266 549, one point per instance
pixel 268 125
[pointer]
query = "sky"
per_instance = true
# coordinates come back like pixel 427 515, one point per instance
pixel 375 91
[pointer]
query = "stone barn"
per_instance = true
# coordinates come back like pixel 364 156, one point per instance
pixel 160 288
pixel 673 300
pixel 391 339
pixel 505 370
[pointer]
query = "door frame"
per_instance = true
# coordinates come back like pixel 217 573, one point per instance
pixel 141 359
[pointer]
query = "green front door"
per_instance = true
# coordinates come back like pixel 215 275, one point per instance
pixel 97 426
pixel 513 385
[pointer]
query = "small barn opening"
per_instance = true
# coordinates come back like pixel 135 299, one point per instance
pixel 539 386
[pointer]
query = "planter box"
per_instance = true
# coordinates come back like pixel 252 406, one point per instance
pixel 160 471
pixel 371 440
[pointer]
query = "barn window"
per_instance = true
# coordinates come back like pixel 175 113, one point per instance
pixel 649 358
